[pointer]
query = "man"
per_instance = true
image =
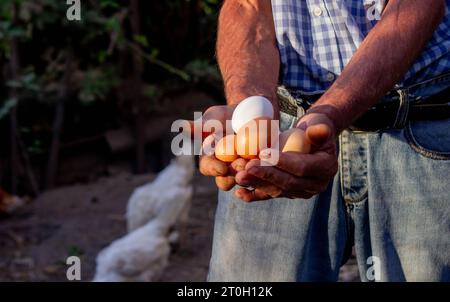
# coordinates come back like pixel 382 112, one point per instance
pixel 369 81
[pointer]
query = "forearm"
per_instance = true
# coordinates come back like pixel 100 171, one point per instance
pixel 246 50
pixel 382 59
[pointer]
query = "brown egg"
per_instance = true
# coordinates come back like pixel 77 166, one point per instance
pixel 254 137
pixel 294 140
pixel 226 149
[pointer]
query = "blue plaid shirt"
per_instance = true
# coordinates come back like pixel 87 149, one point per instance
pixel 317 38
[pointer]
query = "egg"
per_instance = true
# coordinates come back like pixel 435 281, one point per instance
pixel 226 149
pixel 255 136
pixel 250 109
pixel 294 140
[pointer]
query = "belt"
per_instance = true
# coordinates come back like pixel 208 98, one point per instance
pixel 385 115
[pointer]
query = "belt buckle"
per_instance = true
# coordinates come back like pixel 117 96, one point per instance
pixel 402 109
pixel 384 115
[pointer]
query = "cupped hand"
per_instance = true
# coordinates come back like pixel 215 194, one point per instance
pixel 209 165
pixel 295 175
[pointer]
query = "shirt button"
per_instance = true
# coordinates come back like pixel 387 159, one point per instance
pixel 330 77
pixel 317 11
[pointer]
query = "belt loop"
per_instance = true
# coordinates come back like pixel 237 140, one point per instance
pixel 403 109
pixel 287 102
pixel 300 111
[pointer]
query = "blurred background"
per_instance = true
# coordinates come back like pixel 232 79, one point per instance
pixel 85 114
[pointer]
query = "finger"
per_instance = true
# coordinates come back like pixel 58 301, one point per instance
pixel 258 195
pixel 225 183
pixel 251 195
pixel 300 194
pixel 287 182
pixel 320 164
pixel 243 178
pixel 314 118
pixel 247 180
pixel 215 113
pixel 318 134
pixel 236 166
pixel 219 115
pixel 196 130
pixel 265 186
pixel 211 166
pixel 314 182
pixel 253 163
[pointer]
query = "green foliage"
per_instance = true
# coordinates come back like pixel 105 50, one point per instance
pixel 26 82
pixel 203 70
pixel 175 46
pixel 75 250
pixel 210 7
pixel 7 106
pixel 42 24
pixel 97 83
pixel 141 40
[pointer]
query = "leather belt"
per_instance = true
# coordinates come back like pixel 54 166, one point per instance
pixel 390 114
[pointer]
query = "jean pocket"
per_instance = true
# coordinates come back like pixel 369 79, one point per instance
pixel 430 138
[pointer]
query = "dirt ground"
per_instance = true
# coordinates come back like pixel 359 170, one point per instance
pixel 82 219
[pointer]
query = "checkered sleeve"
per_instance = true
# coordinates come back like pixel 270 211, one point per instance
pixel 317 38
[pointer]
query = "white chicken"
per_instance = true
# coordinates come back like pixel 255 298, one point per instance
pixel 139 256
pixel 152 213
pixel 172 188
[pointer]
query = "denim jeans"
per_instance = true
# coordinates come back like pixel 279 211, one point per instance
pixel 390 200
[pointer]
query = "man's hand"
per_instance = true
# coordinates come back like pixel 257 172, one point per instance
pixel 296 175
pixel 209 164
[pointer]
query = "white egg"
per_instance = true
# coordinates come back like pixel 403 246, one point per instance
pixel 249 109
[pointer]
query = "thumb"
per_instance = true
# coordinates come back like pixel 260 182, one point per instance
pixel 218 114
pixel 192 128
pixel 318 134
pixel 189 130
